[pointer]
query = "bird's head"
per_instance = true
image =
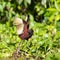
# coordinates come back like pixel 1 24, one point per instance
pixel 17 21
pixel 19 25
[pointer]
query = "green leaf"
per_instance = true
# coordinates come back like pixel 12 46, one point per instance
pixel 51 9
pixel 20 1
pixel 1 8
pixel 25 3
pixel 28 1
pixel 57 5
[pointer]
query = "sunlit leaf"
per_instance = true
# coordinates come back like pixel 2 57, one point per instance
pixel 57 17
pixel 28 1
pixel 51 9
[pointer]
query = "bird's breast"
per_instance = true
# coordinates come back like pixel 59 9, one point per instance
pixel 25 33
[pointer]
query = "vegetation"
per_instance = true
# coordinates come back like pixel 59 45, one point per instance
pixel 44 20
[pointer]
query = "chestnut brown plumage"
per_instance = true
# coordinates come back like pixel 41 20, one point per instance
pixel 22 27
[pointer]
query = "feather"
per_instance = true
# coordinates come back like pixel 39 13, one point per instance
pixel 22 28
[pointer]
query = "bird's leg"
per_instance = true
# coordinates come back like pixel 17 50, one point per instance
pixel 16 53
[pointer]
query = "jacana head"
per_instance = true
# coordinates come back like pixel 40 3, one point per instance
pixel 19 25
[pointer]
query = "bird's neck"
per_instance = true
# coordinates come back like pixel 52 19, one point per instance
pixel 19 29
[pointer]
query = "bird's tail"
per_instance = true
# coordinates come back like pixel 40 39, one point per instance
pixel 30 32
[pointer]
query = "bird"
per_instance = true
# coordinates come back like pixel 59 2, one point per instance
pixel 22 28
pixel 23 31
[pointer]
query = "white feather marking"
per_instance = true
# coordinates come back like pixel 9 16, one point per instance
pixel 20 29
pixel 19 25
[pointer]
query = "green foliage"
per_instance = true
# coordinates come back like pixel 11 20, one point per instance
pixel 45 42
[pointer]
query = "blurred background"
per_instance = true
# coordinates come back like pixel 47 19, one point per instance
pixel 44 20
